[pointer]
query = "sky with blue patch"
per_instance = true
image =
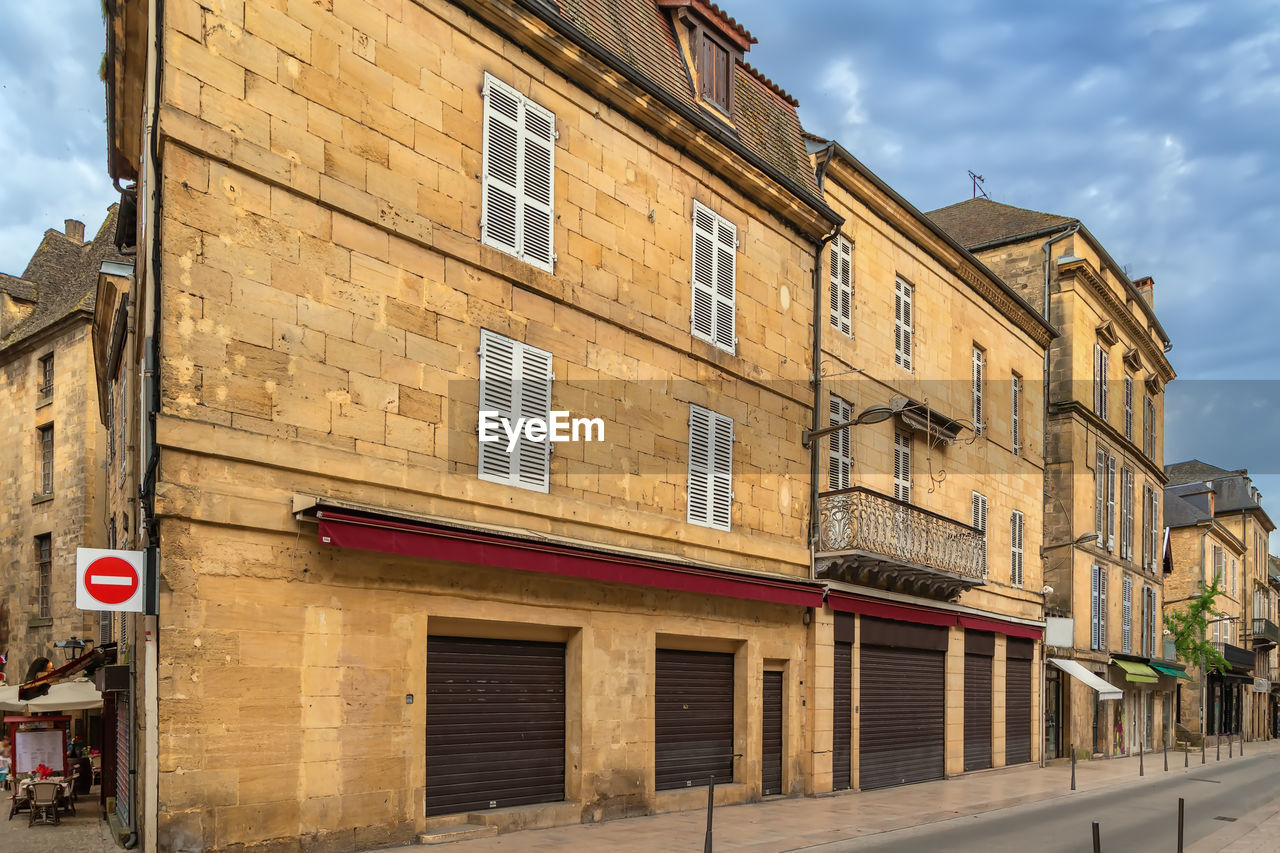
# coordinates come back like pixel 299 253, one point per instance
pixel 1155 123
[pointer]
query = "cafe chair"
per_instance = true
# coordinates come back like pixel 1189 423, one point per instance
pixel 44 803
pixel 19 800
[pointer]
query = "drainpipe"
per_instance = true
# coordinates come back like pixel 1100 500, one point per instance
pixel 819 245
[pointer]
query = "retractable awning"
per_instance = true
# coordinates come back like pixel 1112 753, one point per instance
pixel 1104 688
pixel 1170 669
pixel 1138 673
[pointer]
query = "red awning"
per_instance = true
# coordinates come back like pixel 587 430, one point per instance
pixel 418 539
pixel 879 608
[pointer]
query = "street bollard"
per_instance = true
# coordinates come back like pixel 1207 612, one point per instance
pixel 1202 739
pixel 1073 768
pixel 711 799
pixel 1141 771
pixel 1186 753
pixel 1219 740
pixel 1230 746
pixel 1181 804
pixel 1166 756
pixel 1242 745
pixel 1097 838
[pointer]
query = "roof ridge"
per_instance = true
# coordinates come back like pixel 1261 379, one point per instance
pixel 770 85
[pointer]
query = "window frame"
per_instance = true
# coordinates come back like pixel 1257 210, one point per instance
pixel 840 447
pixel 45 368
pixel 44 575
pixel 840 282
pixel 712 469
pixel 1017 541
pixel 712 294
pixel 1015 413
pixel 904 323
pixel 518 400
pixel 979 382
pixel 45 457
pixel 902 466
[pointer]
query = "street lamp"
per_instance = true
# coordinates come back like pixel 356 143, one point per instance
pixel 71 647
pixel 869 415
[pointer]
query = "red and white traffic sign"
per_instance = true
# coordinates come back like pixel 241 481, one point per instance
pixel 110 580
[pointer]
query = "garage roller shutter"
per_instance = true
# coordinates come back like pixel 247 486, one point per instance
pixel 693 726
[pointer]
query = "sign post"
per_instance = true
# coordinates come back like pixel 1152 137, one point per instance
pixel 110 580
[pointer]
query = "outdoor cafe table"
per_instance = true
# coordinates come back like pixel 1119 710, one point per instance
pixel 64 787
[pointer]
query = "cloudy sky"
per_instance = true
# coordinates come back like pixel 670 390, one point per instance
pixel 1156 123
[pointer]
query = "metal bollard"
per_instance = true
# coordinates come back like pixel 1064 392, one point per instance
pixel 1141 771
pixel 1202 739
pixel 1219 741
pixel 1073 768
pixel 1166 756
pixel 1242 745
pixel 1097 838
pixel 1230 746
pixel 711 799
pixel 1181 804
pixel 1186 753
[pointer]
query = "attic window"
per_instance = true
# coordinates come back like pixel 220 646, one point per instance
pixel 714 70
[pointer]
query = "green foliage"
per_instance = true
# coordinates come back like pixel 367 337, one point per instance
pixel 1189 626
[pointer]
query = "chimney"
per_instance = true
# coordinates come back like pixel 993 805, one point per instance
pixel 75 230
pixel 1146 289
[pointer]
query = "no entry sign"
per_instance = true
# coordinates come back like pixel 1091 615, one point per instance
pixel 109 580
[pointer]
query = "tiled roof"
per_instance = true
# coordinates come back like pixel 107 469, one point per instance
pixel 981 220
pixel 1194 471
pixel 639 33
pixel 18 288
pixel 63 277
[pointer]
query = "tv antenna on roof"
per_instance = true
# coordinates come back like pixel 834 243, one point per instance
pixel 977 185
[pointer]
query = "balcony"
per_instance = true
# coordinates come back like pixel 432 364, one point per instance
pixel 870 539
pixel 1266 634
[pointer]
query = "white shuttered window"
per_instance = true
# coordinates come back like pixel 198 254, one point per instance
pixel 715 256
pixel 979 374
pixel 515 382
pixel 904 324
pixel 710 493
pixel 1015 421
pixel 1126 617
pixel 902 466
pixel 840 454
pixel 1016 529
pixel 1128 407
pixel 518 211
pixel 980 522
pixel 841 281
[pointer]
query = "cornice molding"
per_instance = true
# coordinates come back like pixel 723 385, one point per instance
pixel 1112 435
pixel 1118 312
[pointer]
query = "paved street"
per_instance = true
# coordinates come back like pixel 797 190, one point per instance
pixel 83 832
pixel 1034 808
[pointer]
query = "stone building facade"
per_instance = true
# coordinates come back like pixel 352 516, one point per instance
pixel 929 517
pixel 49 420
pixel 1103 462
pixel 1223 531
pixel 361 225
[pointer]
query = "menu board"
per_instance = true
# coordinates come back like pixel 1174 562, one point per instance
pixel 33 748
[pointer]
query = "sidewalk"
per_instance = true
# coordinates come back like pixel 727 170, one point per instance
pixel 789 824
pixel 83 832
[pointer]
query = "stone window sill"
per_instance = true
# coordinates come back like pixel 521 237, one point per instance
pixel 39 622
pixel 44 401
pixel 40 499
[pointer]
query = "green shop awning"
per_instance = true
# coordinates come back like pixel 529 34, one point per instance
pixel 1175 671
pixel 1139 673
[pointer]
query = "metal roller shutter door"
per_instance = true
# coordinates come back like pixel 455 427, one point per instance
pixel 495 723
pixel 842 736
pixel 977 712
pixel 771 753
pixel 1017 715
pixel 693 725
pixel 902 734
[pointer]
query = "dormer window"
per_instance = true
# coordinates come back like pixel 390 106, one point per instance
pixel 712 44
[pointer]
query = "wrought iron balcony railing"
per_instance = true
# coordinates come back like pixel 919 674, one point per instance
pixel 868 538
pixel 1265 633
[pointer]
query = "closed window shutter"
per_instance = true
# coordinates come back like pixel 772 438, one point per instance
pixel 1097 378
pixel 1106 372
pixel 1155 530
pixel 902 466
pixel 841 283
pixel 1015 542
pixel 1153 633
pixel 515 382
pixel 715 250
pixel 979 369
pixel 1102 607
pixel 1126 614
pixel 1094 599
pixel 1126 514
pixel 1128 407
pixel 840 456
pixel 518 175
pixel 1111 503
pixel 980 522
pixel 903 328
pixel 1100 497
pixel 1016 414
pixel 710 491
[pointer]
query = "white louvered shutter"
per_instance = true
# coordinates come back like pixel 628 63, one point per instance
pixel 903 330
pixel 714 296
pixel 1106 372
pixel 515 382
pixel 1016 523
pixel 1126 616
pixel 979 370
pixel 841 283
pixel 710 491
pixel 1015 429
pixel 518 210
pixel 1111 503
pixel 1126 514
pixel 840 456
pixel 1152 632
pixel 1155 531
pixel 1102 607
pixel 902 466
pixel 1094 599
pixel 1100 497
pixel 1128 407
pixel 979 502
